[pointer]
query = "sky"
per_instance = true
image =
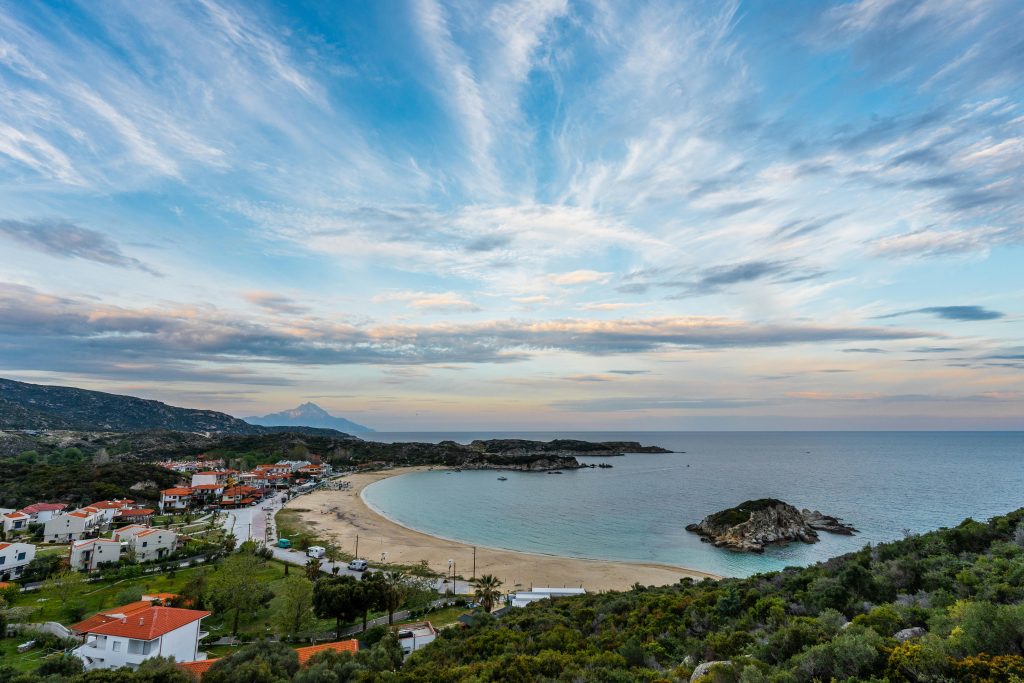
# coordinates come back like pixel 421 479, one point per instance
pixel 533 214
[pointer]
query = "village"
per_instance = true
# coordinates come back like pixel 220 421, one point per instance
pixel 66 575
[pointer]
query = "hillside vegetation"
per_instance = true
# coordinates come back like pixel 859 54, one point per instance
pixel 942 606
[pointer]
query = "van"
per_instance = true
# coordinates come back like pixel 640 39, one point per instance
pixel 358 565
pixel 316 552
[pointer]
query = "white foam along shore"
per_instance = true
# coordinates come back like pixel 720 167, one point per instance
pixel 345 514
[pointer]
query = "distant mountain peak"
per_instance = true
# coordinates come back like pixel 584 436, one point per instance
pixel 309 408
pixel 308 414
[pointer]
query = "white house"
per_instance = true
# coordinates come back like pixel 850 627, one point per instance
pixel 42 512
pixel 13 559
pixel 412 637
pixel 176 499
pixel 113 640
pixel 72 526
pixel 147 543
pixel 88 555
pixel 14 521
pixel 524 598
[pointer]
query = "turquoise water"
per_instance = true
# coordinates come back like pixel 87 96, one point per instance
pixel 882 483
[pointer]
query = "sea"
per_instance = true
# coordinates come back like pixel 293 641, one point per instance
pixel 886 484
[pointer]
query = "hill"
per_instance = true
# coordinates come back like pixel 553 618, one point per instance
pixel 309 415
pixel 44 407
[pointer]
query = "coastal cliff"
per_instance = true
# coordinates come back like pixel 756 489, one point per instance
pixel 754 524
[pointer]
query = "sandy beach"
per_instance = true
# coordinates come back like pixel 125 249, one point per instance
pixel 342 515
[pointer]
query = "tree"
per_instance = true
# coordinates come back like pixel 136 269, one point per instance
pixel 487 591
pixel 339 597
pixel 294 612
pixel 312 569
pixel 64 665
pixel 393 594
pixel 371 593
pixel 65 586
pixel 260 662
pixel 236 586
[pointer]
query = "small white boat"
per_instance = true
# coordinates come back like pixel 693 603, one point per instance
pixel 502 478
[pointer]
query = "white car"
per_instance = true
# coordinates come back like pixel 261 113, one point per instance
pixel 316 552
pixel 358 565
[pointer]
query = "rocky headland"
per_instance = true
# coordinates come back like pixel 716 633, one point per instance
pixel 754 524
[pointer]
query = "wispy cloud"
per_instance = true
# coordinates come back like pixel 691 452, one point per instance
pixel 276 303
pixel 434 301
pixel 959 313
pixel 67 240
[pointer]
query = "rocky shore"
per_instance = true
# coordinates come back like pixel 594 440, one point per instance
pixel 754 524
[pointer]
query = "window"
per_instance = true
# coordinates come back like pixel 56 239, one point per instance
pixel 2 560
pixel 21 556
pixel 116 647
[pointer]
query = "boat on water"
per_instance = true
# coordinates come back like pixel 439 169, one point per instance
pixel 502 478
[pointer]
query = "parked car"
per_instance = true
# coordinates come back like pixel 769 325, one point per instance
pixel 358 565
pixel 284 543
pixel 316 551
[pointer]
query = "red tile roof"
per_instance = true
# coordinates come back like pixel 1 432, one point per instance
pixel 149 623
pixel 43 507
pixel 208 487
pixel 197 668
pixel 103 617
pixel 179 491
pixel 307 653
pixel 112 504
pixel 15 515
pixel 134 512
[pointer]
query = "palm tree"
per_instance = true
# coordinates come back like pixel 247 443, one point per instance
pixel 487 591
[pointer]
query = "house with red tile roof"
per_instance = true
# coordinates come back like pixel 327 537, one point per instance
pixel 129 637
pixel 198 668
pixel 238 496
pixel 42 512
pixel 14 521
pixel 134 515
pixel 176 499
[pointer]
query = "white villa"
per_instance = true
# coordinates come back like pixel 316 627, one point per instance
pixel 72 526
pixel 88 555
pixel 176 499
pixel 127 638
pixel 13 521
pixel 14 557
pixel 146 542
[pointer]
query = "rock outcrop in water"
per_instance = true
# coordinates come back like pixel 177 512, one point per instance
pixel 754 524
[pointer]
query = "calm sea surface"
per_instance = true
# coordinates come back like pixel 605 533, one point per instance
pixel 881 482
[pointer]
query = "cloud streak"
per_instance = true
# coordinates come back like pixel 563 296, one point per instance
pixel 33 324
pixel 67 240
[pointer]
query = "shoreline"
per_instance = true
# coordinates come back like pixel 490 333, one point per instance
pixel 343 515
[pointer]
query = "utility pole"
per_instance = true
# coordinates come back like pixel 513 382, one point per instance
pixel 357 546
